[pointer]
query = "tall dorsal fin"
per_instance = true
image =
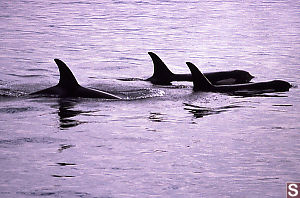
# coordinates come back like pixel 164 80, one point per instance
pixel 201 83
pixel 67 78
pixel 161 71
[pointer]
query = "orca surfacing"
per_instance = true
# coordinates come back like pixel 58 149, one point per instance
pixel 201 83
pixel 69 87
pixel 163 76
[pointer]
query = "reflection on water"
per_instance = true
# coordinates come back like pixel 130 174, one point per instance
pixel 64 147
pixel 65 164
pixel 200 112
pixel 63 176
pixel 66 112
pixel 156 117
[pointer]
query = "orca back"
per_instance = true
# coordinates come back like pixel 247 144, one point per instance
pixel 201 83
pixel 69 87
pixel 162 74
pixel 67 79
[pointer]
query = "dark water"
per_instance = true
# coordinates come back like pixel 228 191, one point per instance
pixel 158 141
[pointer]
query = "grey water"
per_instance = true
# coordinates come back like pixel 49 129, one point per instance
pixel 159 141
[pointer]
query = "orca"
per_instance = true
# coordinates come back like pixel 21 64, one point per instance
pixel 201 83
pixel 163 76
pixel 69 87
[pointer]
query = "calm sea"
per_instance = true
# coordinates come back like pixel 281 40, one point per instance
pixel 160 141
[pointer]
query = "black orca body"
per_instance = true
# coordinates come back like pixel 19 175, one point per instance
pixel 163 76
pixel 69 87
pixel 201 83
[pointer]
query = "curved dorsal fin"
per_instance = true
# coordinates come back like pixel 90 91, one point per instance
pixel 161 71
pixel 67 78
pixel 201 83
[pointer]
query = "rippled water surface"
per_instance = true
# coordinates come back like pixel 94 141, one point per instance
pixel 160 141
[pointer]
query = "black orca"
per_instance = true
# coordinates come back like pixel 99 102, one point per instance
pixel 69 87
pixel 163 76
pixel 201 83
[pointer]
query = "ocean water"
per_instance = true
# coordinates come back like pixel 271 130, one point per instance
pixel 159 141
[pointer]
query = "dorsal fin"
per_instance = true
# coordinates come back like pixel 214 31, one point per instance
pixel 161 72
pixel 67 78
pixel 201 83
